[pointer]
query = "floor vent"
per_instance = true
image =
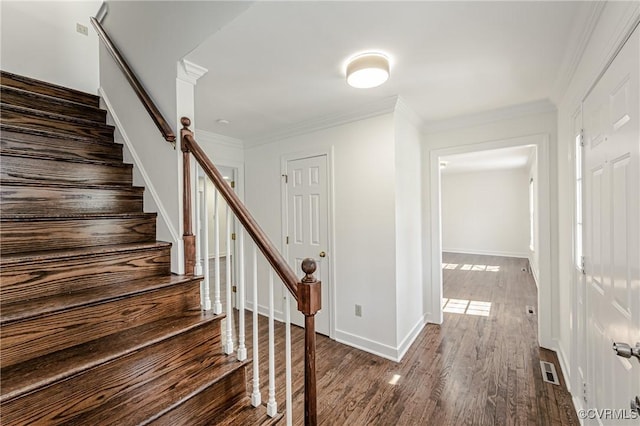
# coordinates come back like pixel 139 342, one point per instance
pixel 530 310
pixel 549 374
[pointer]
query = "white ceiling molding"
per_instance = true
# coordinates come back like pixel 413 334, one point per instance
pixel 589 15
pixel 204 136
pixel 408 113
pixel 190 72
pixel 515 111
pixel 373 109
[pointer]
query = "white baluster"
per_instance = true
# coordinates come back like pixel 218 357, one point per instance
pixel 256 398
pixel 228 345
pixel 272 404
pixel 217 305
pixel 198 266
pixel 287 354
pixel 204 235
pixel 242 349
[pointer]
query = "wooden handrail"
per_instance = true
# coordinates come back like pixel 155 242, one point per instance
pixel 307 291
pixel 267 248
pixel 148 103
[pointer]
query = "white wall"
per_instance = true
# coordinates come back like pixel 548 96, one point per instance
pixel 364 221
pixel 486 212
pixel 408 211
pixel 39 40
pixel 614 22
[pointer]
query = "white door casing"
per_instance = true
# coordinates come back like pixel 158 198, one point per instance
pixel 307 227
pixel 611 113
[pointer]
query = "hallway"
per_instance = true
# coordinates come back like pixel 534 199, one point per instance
pixel 481 367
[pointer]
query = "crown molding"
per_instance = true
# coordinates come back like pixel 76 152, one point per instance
pixel 514 111
pixel 581 33
pixel 190 72
pixel 406 111
pixel 373 109
pixel 205 136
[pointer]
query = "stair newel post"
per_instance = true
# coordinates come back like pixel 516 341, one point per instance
pixel 188 238
pixel 309 303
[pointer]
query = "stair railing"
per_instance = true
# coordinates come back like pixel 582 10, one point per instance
pixel 150 106
pixel 306 291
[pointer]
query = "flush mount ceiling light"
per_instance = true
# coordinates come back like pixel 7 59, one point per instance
pixel 368 70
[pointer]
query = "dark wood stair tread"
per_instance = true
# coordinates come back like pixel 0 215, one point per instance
pixel 24 98
pixel 53 116
pixel 28 309
pixel 74 254
pixel 243 413
pixel 50 89
pixel 27 376
pixel 71 185
pixel 8 129
pixel 89 216
pixel 43 120
pixel 9 152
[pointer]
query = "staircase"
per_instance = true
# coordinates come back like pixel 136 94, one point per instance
pixel 95 329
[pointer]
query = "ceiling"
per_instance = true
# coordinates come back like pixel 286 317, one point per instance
pixel 496 159
pixel 281 64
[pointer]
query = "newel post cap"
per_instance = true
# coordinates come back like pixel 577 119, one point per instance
pixel 309 294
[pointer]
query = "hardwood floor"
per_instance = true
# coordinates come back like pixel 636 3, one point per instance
pixel 471 370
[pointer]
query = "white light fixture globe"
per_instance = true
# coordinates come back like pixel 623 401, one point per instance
pixel 368 70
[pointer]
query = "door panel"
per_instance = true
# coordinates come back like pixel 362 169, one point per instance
pixel 612 231
pixel 307 227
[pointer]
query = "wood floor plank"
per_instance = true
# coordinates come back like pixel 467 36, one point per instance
pixel 471 370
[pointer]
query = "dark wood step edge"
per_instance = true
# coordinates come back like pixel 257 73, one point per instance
pixel 53 99
pixel 98 299
pixel 218 378
pixel 81 216
pixel 54 90
pixel 171 327
pixel 72 185
pixel 53 116
pixel 8 261
pixel 51 134
pixel 8 152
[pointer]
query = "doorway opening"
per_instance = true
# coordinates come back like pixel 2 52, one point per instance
pixel 479 168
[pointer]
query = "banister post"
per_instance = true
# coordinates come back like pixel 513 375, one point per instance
pixel 309 303
pixel 188 238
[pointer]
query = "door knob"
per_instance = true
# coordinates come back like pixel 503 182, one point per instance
pixel 625 351
pixel 322 254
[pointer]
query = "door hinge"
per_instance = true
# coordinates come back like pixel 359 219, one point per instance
pixel 287 240
pixel 233 184
pixel 582 264
pixel 581 137
pixel 234 288
pixel 286 178
pixel 233 236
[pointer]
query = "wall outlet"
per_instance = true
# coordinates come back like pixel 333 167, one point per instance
pixel 82 29
pixel 358 310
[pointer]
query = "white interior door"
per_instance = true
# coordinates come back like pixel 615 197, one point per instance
pixel 612 231
pixel 307 227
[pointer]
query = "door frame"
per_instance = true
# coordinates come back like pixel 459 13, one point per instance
pixel 331 247
pixel 547 288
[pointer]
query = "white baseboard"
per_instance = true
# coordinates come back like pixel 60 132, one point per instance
pixel 486 252
pixel 264 311
pixel 411 337
pixel 367 345
pixel 564 365
pixel 213 256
